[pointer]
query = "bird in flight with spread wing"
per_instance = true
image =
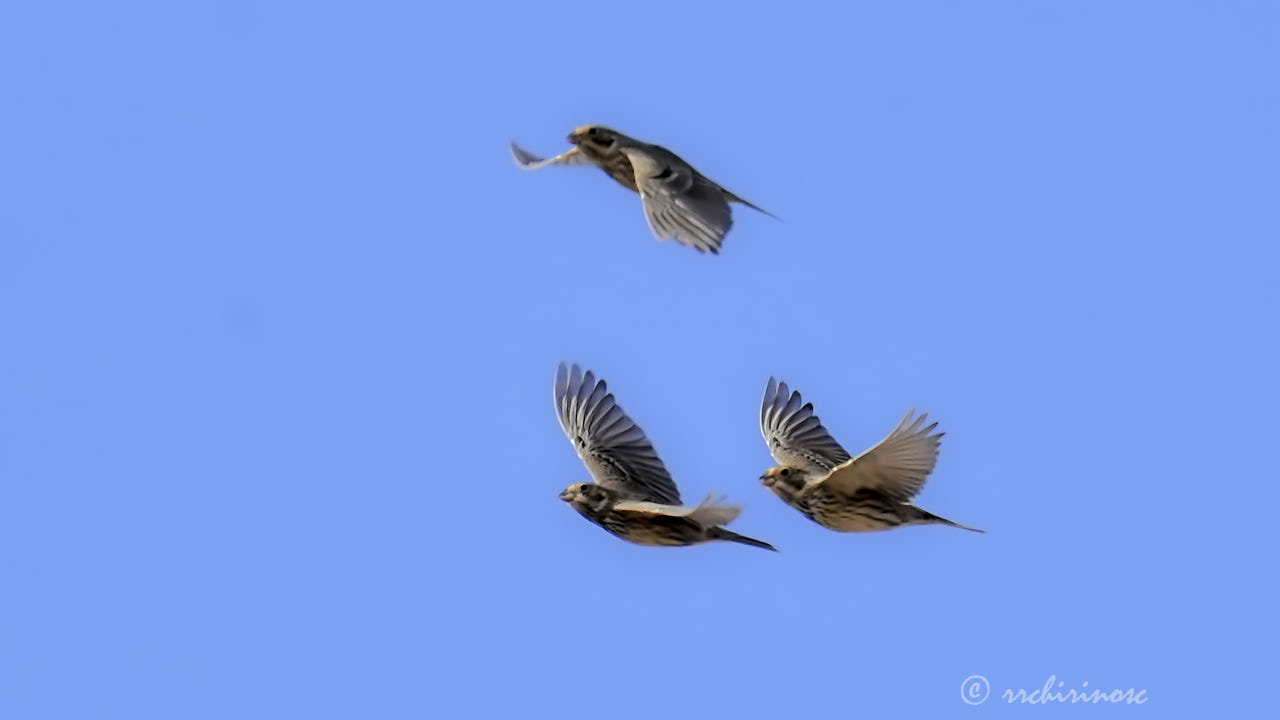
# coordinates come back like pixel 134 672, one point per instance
pixel 820 479
pixel 679 202
pixel 633 495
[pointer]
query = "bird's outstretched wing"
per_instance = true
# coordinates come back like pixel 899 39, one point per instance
pixel 614 449
pixel 794 434
pixel 897 466
pixel 528 161
pixel 679 203
pixel 708 513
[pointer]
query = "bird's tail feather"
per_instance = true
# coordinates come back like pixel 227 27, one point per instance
pixel 753 206
pixel 719 533
pixel 930 517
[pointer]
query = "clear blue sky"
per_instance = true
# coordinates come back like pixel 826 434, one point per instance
pixel 280 320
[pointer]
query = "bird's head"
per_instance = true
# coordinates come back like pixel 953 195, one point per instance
pixel 587 496
pixel 596 137
pixel 784 480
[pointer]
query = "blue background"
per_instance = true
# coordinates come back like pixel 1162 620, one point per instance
pixel 279 322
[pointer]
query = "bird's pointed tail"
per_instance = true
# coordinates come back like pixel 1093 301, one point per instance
pixel 719 533
pixel 753 206
pixel 930 517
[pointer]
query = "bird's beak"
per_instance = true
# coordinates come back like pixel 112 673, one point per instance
pixel 764 479
pixel 573 138
pixel 565 495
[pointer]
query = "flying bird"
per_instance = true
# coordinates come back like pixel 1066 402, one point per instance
pixel 816 476
pixel 633 495
pixel 679 202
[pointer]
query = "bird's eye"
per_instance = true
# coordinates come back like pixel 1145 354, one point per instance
pixel 786 472
pixel 593 131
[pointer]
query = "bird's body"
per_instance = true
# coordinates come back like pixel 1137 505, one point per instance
pixel 816 476
pixel 679 202
pixel 633 496
pixel 863 510
pixel 610 159
pixel 609 510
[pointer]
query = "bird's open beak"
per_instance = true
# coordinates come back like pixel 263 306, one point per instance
pixel 573 138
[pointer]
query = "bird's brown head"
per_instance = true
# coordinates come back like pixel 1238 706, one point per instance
pixel 587 496
pixel 784 480
pixel 596 137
